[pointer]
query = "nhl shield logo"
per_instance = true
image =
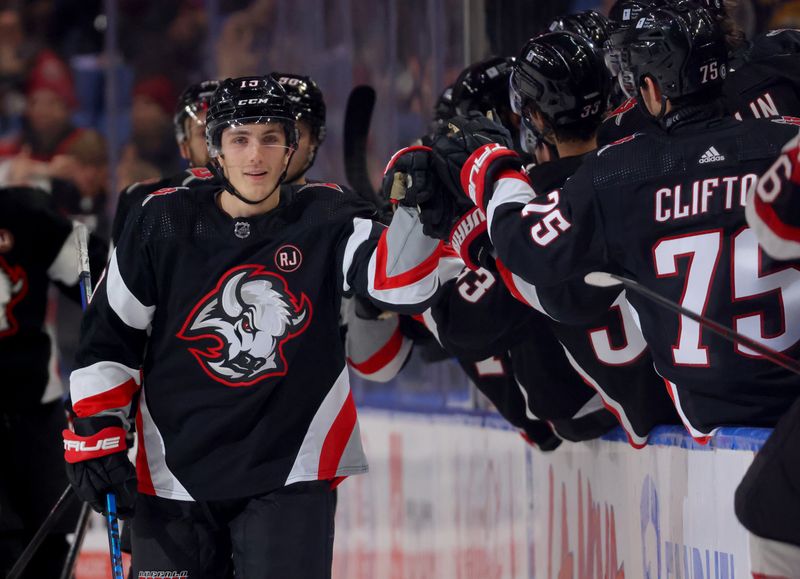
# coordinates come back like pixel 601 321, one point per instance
pixel 241 229
pixel 288 258
pixel 246 321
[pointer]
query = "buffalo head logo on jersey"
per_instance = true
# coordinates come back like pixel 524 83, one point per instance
pixel 249 315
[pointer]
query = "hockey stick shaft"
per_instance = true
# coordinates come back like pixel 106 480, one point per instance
pixel 357 119
pixel 80 532
pixel 52 518
pixel 111 499
pixel 729 334
pixel 113 537
pixel 85 274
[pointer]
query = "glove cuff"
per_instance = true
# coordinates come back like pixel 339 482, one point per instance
pixel 78 448
pixel 470 227
pixel 401 152
pixel 477 172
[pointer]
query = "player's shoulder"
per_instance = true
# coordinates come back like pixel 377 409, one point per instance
pixel 548 176
pixel 771 44
pixel 191 177
pixel 327 201
pixel 171 212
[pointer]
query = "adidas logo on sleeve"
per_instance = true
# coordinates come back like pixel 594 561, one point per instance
pixel 711 156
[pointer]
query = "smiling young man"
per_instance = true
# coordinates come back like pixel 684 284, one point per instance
pixel 216 330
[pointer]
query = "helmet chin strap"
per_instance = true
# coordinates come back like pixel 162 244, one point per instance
pixel 219 172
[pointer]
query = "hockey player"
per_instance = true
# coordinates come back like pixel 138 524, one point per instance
pixel 667 210
pixel 310 110
pixel 773 205
pixel 767 500
pixel 227 298
pixel 189 122
pixel 552 78
pixel 762 76
pixel 37 246
pixel 376 348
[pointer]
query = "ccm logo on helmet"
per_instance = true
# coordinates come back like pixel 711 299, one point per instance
pixel 252 102
pixel 478 165
pixel 102 444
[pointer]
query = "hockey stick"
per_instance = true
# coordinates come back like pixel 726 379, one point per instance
pixel 52 518
pixel 113 537
pixel 68 572
pixel 357 118
pixel 605 279
pixel 111 499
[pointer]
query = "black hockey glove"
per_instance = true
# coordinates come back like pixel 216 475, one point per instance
pixel 97 464
pixel 539 435
pixel 455 152
pixel 410 180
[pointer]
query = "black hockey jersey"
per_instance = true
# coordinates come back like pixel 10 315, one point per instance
pixel 668 211
pixel 627 119
pixel 773 205
pixel 764 82
pixel 607 352
pixel 37 246
pixel 765 77
pixel 133 195
pixel 235 326
pixel 511 355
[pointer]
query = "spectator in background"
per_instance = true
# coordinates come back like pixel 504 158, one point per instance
pixel 49 103
pixel 241 44
pixel 152 136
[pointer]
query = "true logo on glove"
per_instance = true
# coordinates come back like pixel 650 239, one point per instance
pixel 103 444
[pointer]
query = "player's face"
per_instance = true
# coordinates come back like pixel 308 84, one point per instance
pixel 194 148
pixel 306 146
pixel 254 157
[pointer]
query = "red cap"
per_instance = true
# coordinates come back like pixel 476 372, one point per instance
pixel 51 73
pixel 160 90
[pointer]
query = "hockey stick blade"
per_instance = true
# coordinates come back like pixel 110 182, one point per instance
pixel 357 119
pixel 605 279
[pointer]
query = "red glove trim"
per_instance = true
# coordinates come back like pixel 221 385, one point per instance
pixel 402 152
pixel 473 173
pixel 471 225
pixel 80 448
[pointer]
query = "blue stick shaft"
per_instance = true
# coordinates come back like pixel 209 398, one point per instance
pixel 113 537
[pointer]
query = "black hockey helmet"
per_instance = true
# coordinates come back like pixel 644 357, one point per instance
pixel 193 100
pixel 249 100
pixel 309 104
pixel 680 46
pixel 625 12
pixel 483 86
pixel 563 76
pixel 589 24
pixel 444 110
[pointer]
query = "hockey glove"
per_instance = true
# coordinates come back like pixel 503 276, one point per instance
pixel 470 239
pixel 409 180
pixel 484 167
pixel 97 464
pixel 458 140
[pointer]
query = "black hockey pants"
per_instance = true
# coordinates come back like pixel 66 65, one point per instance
pixel 284 533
